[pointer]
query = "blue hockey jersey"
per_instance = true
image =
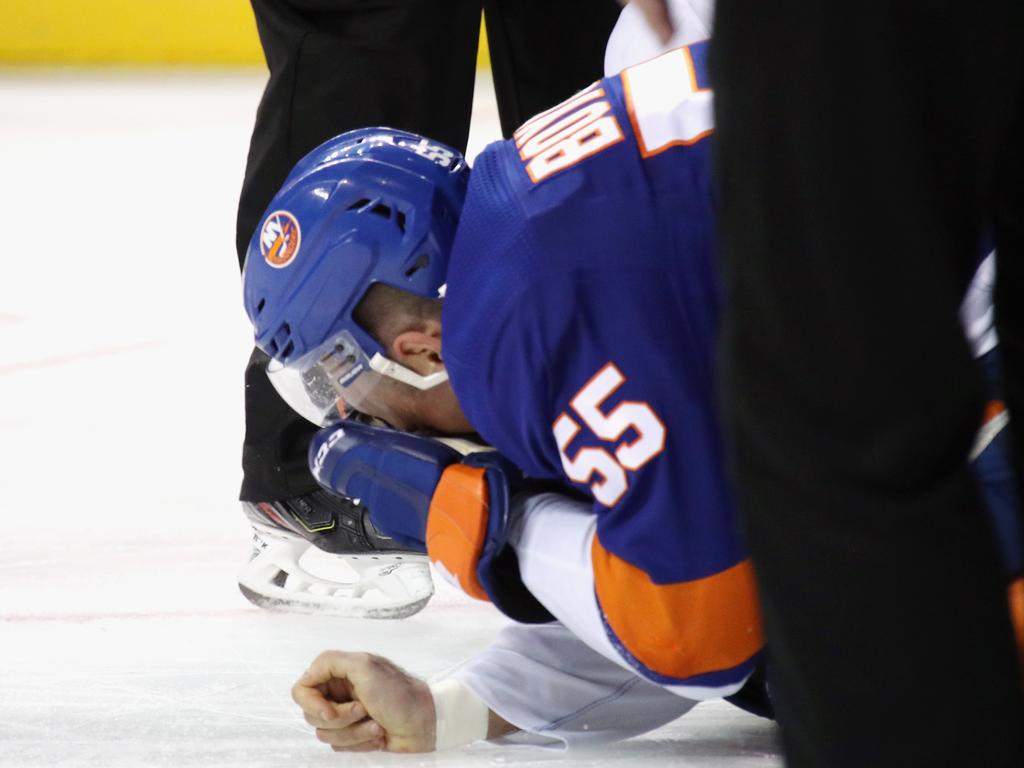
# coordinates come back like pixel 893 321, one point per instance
pixel 579 336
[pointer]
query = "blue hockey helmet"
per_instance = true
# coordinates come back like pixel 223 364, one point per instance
pixel 374 205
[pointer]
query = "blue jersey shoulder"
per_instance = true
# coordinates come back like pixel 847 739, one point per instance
pixel 582 307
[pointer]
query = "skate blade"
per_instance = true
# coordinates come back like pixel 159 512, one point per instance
pixel 289 574
pixel 353 610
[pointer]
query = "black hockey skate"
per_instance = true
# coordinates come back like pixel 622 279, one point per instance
pixel 319 553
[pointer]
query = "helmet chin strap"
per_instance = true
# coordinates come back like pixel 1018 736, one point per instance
pixel 398 372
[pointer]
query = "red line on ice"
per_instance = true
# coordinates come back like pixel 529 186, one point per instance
pixel 47 362
pixel 130 615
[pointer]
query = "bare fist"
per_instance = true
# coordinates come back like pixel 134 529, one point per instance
pixel 359 702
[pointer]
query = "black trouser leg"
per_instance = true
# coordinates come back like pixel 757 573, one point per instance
pixel 334 66
pixel 543 52
pixel 857 153
pixel 342 64
pixel 276 440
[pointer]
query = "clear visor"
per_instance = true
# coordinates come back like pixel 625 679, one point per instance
pixel 338 377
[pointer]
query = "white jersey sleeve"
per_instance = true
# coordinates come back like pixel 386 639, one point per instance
pixel 545 681
pixel 633 41
pixel 553 538
pixel 977 314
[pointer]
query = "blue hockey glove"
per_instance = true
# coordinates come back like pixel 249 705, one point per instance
pixel 427 495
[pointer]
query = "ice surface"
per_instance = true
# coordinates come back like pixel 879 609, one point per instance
pixel 123 639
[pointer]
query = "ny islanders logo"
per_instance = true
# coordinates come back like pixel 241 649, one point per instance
pixel 280 238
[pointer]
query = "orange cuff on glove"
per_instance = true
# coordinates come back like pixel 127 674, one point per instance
pixel 457 526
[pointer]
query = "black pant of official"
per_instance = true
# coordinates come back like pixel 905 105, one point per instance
pixel 337 65
pixel 863 149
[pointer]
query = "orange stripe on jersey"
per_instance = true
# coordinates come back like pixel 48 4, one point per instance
pixel 993 409
pixel 627 90
pixel 1015 595
pixel 994 421
pixel 684 629
pixel 457 525
pixel 691 70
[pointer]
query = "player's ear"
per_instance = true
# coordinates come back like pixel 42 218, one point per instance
pixel 419 349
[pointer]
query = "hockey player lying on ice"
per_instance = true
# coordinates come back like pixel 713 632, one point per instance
pixel 578 327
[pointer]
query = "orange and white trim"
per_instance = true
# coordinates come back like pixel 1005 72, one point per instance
pixel 666 106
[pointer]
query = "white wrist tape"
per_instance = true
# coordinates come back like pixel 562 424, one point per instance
pixel 462 716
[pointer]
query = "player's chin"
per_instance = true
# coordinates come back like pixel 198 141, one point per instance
pixel 438 409
pixel 449 425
